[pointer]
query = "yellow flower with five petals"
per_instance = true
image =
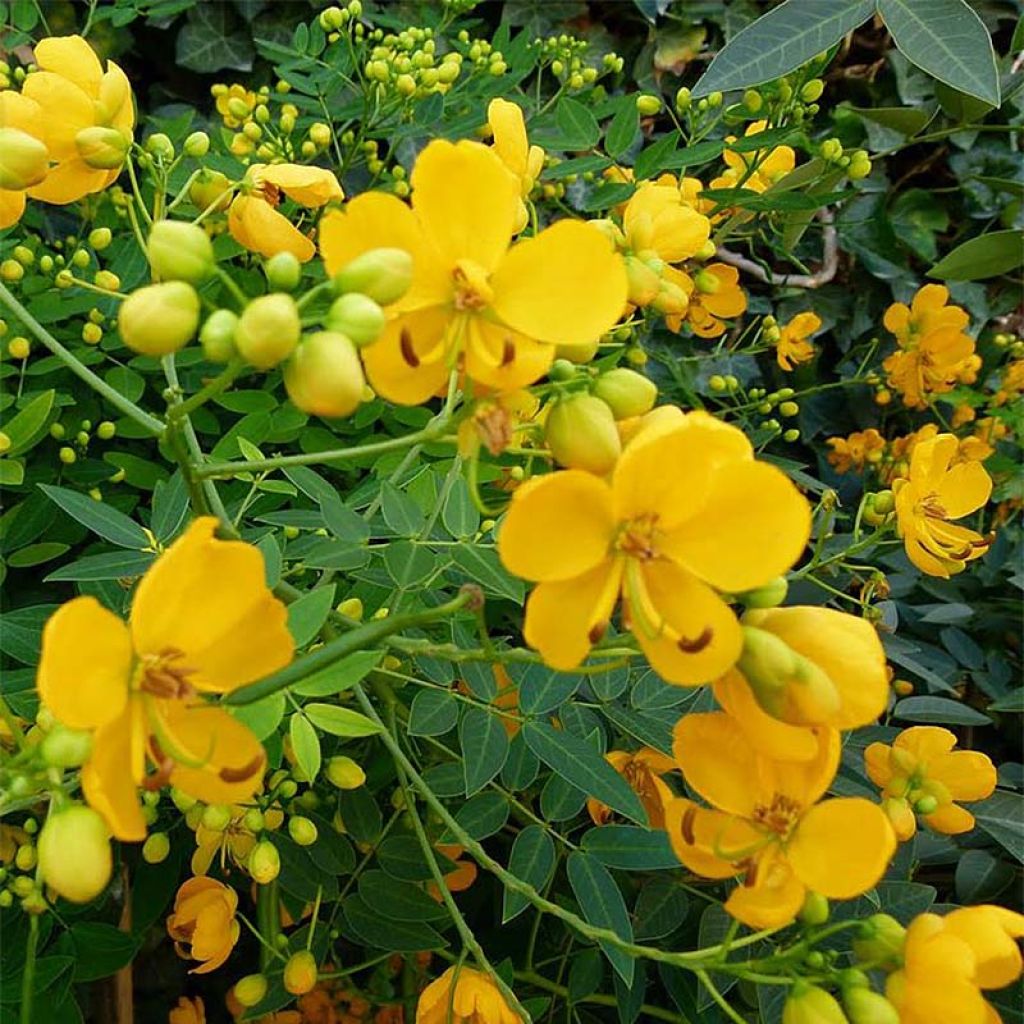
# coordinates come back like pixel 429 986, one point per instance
pixel 794 346
pixel 203 924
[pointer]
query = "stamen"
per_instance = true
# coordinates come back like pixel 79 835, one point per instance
pixel 698 643
pixel 597 631
pixel 508 352
pixel 241 774
pixel 689 837
pixel 408 353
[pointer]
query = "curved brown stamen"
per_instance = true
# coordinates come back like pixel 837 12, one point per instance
pixel 698 643
pixel 508 352
pixel 162 775
pixel 689 837
pixel 247 771
pixel 408 353
pixel 597 631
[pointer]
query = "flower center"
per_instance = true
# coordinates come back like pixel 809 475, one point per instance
pixel 472 292
pixel 269 192
pixel 931 507
pixel 163 675
pixel 780 816
pixel 638 538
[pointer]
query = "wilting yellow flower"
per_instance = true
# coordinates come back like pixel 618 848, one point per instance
pixel 476 305
pixel 794 346
pixel 757 170
pixel 203 621
pixel 936 493
pixel 947 961
pixel 203 923
pixel 87 118
pixel 688 512
pixel 235 841
pixel 24 158
pixel 717 295
pixel 463 995
pixel 861 448
pixel 188 1011
pixel 800 667
pixel 643 771
pixel 921 773
pixel 493 421
pixel 253 219
pixel 512 145
pixel 767 823
pixel 932 345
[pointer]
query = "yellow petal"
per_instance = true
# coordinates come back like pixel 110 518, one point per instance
pixel 68 182
pixel 926 741
pixel 208 599
pixel 991 932
pixel 86 664
pixel 771 895
pixel 73 58
pixel 116 99
pixel 950 820
pixel 466 200
pixel 565 617
pixel 108 779
pixel 66 109
pixel 716 762
pixel 688 633
pixel 967 774
pixel 964 489
pixel 842 847
pixel 896 318
pixel 509 129
pixel 877 764
pixel 502 359
pixel 406 364
pixel 307 185
pixel 693 832
pixel 558 526
pixel 566 286
pixel 12 206
pixel 255 224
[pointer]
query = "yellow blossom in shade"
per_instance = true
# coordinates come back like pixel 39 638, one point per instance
pixel 657 223
pixel 87 118
pixel 688 512
pixel 800 667
pixel 493 421
pixel 794 346
pixel 234 842
pixel 188 1011
pixel 202 621
pixel 643 771
pixel 862 448
pixel 767 824
pixel 203 924
pixel 230 103
pixel 992 933
pixel 477 305
pixel 253 218
pixel 24 158
pixel 458 880
pixel 463 995
pixel 717 296
pixel 922 772
pixel 512 145
pixel 937 492
pixel 757 170
pixel 1011 383
pixel 933 348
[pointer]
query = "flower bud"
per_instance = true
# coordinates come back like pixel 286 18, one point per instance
pixel 648 105
pixel 626 392
pixel 197 145
pixel 159 318
pixel 578 354
pixel 324 376
pixel 866 1007
pixel 284 271
pixel 74 853
pixel 250 990
pixel 812 90
pixel 879 941
pixel 771 595
pixel 302 830
pixel 383 275
pixel 104 149
pixel 268 330
pixel 210 187
pixel 264 862
pixel 156 848
pixel 644 283
pixel 66 748
pixel 180 251
pixel 815 908
pixel 253 820
pixel 182 800
pixel 580 431
pixel 217 336
pixel 352 608
pixel 300 973
pixel 357 316
pixel 808 1004
pixel 706 282
pixel 216 817
pixel 683 99
pixel 344 773
pixel 24 160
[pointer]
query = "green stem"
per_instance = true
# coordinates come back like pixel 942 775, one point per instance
pixel 220 383
pixel 116 399
pixel 598 999
pixel 28 977
pixel 267 917
pixel 12 724
pixel 718 997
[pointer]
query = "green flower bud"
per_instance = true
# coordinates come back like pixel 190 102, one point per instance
pixel 24 160
pixel 879 941
pixel 771 595
pixel 156 848
pixel 217 336
pixel 197 145
pixel 383 275
pixel 106 430
pixel 251 989
pixel 324 376
pixel 753 100
pixel 268 330
pixel 812 90
pixel 160 145
pixel 626 392
pixel 808 1004
pixel 578 354
pixel 104 149
pixel 159 318
pixel 815 908
pixel 302 830
pixel 344 773
pixel 210 187
pixel 866 1007
pixel 683 99
pixel 357 316
pixel 100 238
pixel 253 820
pixel 66 748
pixel 300 973
pixel 264 862
pixel 182 800
pixel 216 817
pixel 180 251
pixel 283 271
pixel 648 105
pixel 581 433
pixel 74 853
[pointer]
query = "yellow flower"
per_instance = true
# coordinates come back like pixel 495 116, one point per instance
pixel 463 996
pixel 717 294
pixel 24 159
pixel 933 347
pixel 253 219
pixel 936 493
pixel 922 772
pixel 758 170
pixel 493 421
pixel 87 118
pixel 203 923
pixel 234 841
pixel 768 824
pixel 947 961
pixel 1012 383
pixel 793 346
pixel 687 512
pixel 203 621
pixel 476 305
pixel 800 667
pixel 861 448
pixel 235 104
pixel 188 1011
pixel 643 771
pixel 656 222
pixel 511 144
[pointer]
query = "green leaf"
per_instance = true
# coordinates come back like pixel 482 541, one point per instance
pixel 532 860
pixel 210 41
pixel 402 857
pixel 37 554
pixel 339 676
pixel 28 425
pixel 980 877
pixel 630 848
pixel 460 516
pixel 102 519
pixel 932 710
pixel 101 949
pixel 581 766
pixel 907 121
pixel 401 513
pixel 309 613
pixel 369 927
pixel 484 747
pixel 946 39
pixel 340 721
pixel 780 41
pixel 408 563
pixel 12 472
pixel 305 745
pixel 398 901
pixel 261 716
pixel 542 689
pixel 482 815
pixel 602 905
pixel 345 524
pixel 433 713
pixel 577 124
pixel 653 158
pixel 989 255
pixel 111 565
pixel 624 126
pixel 483 566
pixel 1002 817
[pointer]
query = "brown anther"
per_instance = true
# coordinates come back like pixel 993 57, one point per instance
pixel 163 675
pixel 247 771
pixel 597 631
pixel 698 643
pixel 162 775
pixel 408 352
pixel 508 351
pixel 689 837
pixel 271 193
